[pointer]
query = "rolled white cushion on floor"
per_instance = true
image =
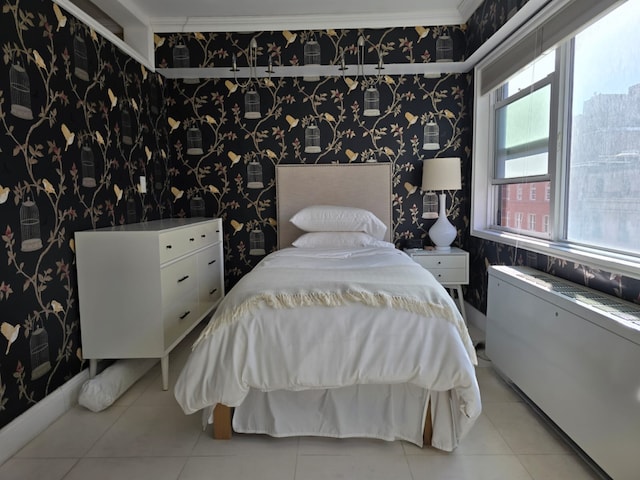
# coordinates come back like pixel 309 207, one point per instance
pixel 101 391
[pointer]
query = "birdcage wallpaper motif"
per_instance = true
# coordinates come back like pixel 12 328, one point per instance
pixel 194 141
pixel 256 243
pixel 371 102
pixel 30 226
pixel 254 175
pixel 312 139
pixel 127 129
pixel 431 136
pixel 81 58
pixel 39 347
pixel 252 105
pixel 429 205
pixel 132 214
pixel 196 206
pixel 312 57
pixel 444 48
pixel 20 92
pixel 88 164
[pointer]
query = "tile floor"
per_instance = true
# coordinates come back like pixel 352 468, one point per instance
pixel 145 436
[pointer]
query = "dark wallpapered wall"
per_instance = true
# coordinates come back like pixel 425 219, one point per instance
pixel 95 125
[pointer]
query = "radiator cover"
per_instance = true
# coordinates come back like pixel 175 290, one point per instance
pixel 575 353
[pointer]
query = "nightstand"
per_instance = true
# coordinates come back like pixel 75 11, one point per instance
pixel 449 267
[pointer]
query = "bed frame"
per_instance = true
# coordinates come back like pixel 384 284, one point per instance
pixel 364 185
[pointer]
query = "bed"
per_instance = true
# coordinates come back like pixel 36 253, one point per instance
pixel 335 334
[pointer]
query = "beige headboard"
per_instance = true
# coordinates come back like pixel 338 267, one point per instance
pixel 362 185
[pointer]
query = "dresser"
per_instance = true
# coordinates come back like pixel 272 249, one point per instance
pixel 143 287
pixel 449 267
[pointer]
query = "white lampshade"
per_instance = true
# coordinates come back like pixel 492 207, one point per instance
pixel 442 174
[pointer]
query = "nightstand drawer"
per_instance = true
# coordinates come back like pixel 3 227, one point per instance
pixel 449 275
pixel 441 261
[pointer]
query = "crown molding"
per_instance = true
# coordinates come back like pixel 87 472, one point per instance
pixel 468 7
pixel 304 22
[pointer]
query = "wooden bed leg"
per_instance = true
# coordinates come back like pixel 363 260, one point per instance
pixel 428 427
pixel 221 422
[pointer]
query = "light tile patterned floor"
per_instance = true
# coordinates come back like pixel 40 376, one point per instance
pixel 145 436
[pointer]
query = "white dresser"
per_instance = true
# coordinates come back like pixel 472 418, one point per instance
pixel 450 267
pixel 143 287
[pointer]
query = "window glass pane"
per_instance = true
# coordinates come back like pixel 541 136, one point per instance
pixel 604 165
pixel 522 135
pixel 522 212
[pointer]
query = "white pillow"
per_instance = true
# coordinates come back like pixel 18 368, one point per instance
pixel 331 218
pixel 339 240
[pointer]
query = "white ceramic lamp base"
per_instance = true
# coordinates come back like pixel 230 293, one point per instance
pixel 442 233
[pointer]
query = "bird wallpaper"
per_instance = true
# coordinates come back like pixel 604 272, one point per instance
pixel 81 121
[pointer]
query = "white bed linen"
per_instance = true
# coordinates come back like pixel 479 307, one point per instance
pixel 396 325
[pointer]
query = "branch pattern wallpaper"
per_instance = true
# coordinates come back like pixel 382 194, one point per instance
pixel 80 122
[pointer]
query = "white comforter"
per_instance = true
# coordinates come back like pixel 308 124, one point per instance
pixel 277 330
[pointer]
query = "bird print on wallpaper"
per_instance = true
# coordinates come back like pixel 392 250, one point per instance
pixel 410 188
pixel 234 157
pixel 46 184
pixel 173 123
pixel 177 193
pixel 237 226
pixel 93 35
pixel 56 306
pixel 290 37
pixel 147 153
pixel 271 154
pixel 213 189
pixel 4 194
pixel 112 98
pixel 69 136
pixel 293 122
pixel 143 70
pixel 39 60
pixel 99 138
pixel 352 84
pixel 118 191
pixel 62 19
pixel 411 118
pixel 422 32
pixel 158 40
pixel 10 332
pixel 329 117
pixel 231 86
pixel 353 156
pixel 210 120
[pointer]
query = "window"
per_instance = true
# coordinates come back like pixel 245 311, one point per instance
pixel 558 111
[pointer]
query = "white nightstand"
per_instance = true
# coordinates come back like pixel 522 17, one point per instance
pixel 450 267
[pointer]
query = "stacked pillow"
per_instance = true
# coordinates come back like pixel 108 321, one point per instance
pixel 332 226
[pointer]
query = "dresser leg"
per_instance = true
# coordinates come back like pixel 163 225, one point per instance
pixel 93 367
pixel 461 304
pixel 164 365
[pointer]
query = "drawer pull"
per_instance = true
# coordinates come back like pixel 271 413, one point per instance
pixel 183 278
pixel 211 262
pixel 184 315
pixel 168 246
pixel 213 291
pixel 192 239
pixel 439 262
pixel 203 236
pixel 217 231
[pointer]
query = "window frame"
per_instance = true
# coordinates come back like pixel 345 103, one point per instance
pixel 484 196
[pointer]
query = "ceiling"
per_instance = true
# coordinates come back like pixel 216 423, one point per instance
pixel 250 15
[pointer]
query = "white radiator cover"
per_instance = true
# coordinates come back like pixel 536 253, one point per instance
pixel 575 353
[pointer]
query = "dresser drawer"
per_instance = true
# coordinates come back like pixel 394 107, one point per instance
pixel 210 276
pixel 175 243
pixel 179 285
pixel 209 233
pixel 441 261
pixel 449 275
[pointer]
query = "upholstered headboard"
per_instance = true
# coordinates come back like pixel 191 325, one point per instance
pixel 362 185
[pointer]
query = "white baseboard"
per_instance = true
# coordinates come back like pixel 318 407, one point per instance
pixel 31 423
pixel 476 318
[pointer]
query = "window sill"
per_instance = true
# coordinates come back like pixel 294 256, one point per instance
pixel 615 263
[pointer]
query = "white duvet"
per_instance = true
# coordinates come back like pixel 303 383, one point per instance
pixel 333 319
